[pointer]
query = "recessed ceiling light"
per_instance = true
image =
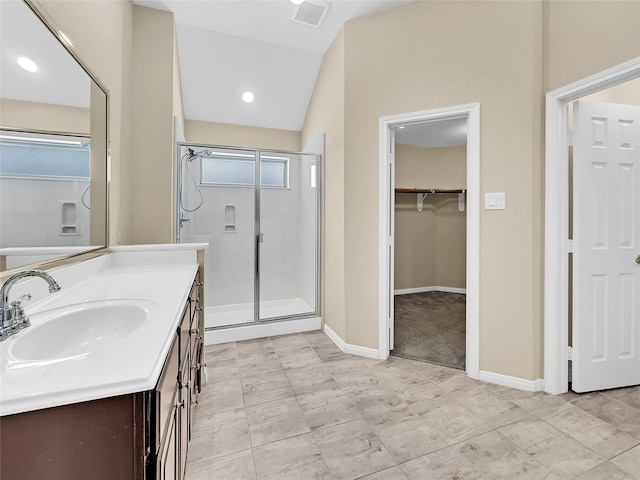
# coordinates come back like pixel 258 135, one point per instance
pixel 401 127
pixel 28 64
pixel 296 2
pixel 248 97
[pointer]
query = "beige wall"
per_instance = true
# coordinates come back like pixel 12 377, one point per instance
pixel 387 73
pixel 109 57
pixel 434 167
pixel 154 106
pixel 326 114
pixel 584 38
pixel 211 133
pixel 430 246
pixel 43 116
pixel 426 55
pixel 178 104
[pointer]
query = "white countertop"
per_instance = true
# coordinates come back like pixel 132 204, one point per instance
pixel 132 364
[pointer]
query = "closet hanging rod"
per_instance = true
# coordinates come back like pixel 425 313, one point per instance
pixel 429 190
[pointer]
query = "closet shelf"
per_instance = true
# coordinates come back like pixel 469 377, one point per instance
pixel 429 190
pixel 423 192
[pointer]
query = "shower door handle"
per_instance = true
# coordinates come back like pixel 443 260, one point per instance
pixel 259 240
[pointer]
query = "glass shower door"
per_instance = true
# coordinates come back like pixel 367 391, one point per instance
pixel 258 214
pixel 288 252
pixel 217 203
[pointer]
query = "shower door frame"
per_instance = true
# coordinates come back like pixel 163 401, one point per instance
pixel 257 235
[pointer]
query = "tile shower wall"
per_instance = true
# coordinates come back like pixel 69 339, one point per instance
pixel 288 223
pixel 31 213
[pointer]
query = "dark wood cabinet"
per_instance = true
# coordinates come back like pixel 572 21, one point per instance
pixel 100 439
pixel 171 449
pixel 139 436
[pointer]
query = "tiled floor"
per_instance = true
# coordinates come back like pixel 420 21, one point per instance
pixel 295 407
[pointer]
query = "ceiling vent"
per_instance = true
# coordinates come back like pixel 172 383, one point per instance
pixel 311 12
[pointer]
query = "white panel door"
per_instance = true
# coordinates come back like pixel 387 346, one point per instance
pixel 606 243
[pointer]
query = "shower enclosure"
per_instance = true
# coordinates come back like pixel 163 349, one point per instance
pixel 258 211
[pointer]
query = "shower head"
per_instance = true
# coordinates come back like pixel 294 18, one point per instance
pixel 193 155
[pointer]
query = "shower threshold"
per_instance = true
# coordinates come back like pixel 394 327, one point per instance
pixel 242 313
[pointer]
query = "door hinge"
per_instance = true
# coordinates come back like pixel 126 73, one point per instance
pixel 569 353
pixel 570 246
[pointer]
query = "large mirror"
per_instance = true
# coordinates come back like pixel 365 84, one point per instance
pixel 53 144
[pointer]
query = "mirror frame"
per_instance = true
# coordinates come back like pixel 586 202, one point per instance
pixel 92 251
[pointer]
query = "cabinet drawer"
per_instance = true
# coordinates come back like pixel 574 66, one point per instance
pixel 166 393
pixel 166 465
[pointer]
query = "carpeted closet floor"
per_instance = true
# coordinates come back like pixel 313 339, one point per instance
pixel 430 327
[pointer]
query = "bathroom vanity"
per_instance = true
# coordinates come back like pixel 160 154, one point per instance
pixel 116 405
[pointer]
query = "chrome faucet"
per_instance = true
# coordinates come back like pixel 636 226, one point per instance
pixel 12 317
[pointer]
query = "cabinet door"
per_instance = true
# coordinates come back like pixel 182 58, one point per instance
pixel 167 467
pixel 183 415
pixel 196 380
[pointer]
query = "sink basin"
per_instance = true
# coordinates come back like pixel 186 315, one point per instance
pixel 80 329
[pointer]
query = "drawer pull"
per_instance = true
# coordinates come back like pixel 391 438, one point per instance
pixel 180 404
pixel 199 309
pixel 195 331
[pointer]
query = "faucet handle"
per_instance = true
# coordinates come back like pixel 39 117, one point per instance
pixel 24 297
pixel 17 313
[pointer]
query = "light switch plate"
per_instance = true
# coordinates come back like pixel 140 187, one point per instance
pixel 495 201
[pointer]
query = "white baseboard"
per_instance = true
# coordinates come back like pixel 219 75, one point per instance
pixel 512 382
pixel 406 291
pixel 348 348
pixel 249 332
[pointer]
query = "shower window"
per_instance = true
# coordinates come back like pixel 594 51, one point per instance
pixel 40 156
pixel 274 172
pixel 226 170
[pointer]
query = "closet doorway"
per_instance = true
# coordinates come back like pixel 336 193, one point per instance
pixel 430 242
pixel 429 237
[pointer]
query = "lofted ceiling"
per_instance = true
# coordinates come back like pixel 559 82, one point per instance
pixel 227 47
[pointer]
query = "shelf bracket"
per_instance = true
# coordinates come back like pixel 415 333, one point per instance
pixel 461 201
pixel 421 197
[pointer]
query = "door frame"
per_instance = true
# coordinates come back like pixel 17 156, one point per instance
pixel 556 218
pixel 385 239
